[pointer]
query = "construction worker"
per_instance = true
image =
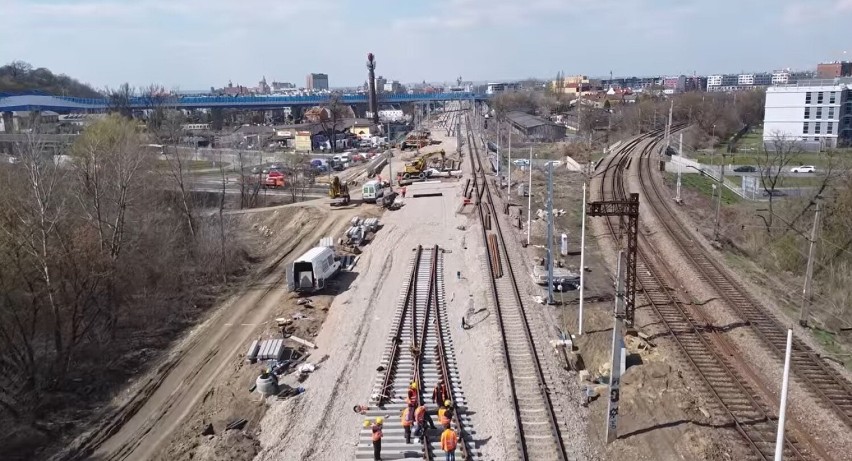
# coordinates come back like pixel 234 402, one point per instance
pixel 445 413
pixel 440 393
pixel 413 398
pixel 407 421
pixel 376 428
pixel 403 191
pixel 449 440
pixel 422 420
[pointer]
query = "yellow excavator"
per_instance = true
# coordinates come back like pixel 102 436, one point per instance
pixel 416 168
pixel 338 191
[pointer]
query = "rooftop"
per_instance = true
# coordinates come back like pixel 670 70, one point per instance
pixel 525 120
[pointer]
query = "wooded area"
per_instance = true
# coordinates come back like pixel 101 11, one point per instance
pixel 105 259
pixel 19 76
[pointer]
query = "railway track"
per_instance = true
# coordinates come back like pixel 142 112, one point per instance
pixel 701 347
pixel 831 388
pixel 419 350
pixel 539 431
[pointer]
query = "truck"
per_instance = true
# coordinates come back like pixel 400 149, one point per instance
pixel 338 191
pixel 311 271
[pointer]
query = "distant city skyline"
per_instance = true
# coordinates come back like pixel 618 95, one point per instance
pixel 196 44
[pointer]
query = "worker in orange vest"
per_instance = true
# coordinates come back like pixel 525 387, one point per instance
pixel 407 421
pixel 412 394
pixel 376 429
pixel 422 420
pixel 440 393
pixel 445 413
pixel 449 440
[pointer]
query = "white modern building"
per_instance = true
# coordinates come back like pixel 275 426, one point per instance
pixel 815 113
pixel 494 88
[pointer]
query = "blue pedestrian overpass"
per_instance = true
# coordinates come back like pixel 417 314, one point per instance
pixel 63 104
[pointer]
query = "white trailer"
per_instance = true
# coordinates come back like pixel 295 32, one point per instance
pixel 310 271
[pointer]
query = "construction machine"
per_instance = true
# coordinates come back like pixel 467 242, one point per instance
pixel 416 169
pixel 338 191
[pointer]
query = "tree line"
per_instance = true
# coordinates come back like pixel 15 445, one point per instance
pixel 19 76
pixel 106 257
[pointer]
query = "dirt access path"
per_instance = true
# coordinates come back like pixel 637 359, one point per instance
pixel 155 410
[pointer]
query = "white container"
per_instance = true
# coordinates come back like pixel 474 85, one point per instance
pixel 564 246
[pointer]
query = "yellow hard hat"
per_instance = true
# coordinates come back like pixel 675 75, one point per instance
pixel 366 423
pixel 447 403
pixel 380 420
pixel 414 384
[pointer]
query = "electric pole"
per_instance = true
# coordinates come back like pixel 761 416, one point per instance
pixel 807 293
pixel 719 200
pixel 550 233
pixel 615 370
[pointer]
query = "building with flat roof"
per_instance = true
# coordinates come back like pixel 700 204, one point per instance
pixel 316 81
pixel 494 88
pixel 535 128
pixel 834 69
pixel 816 114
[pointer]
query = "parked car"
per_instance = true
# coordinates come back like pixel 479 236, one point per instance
pixel 745 169
pixel 803 169
pixel 774 193
pixel 521 162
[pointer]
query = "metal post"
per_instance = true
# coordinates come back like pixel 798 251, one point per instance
pixel 550 233
pixel 529 200
pixel 719 200
pixel 807 293
pixel 680 152
pixel 615 377
pixel 782 411
pixel 509 174
pixel 498 155
pixel 582 261
pixel 677 194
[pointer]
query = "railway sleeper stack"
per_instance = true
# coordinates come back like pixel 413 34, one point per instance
pixel 393 442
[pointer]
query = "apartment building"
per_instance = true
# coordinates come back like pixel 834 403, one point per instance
pixel 815 113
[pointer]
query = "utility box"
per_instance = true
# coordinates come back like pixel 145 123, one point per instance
pixel 563 248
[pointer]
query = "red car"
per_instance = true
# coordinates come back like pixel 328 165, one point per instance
pixel 274 179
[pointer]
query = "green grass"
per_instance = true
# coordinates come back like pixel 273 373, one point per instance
pixel 806 158
pixel 704 185
pixel 799 181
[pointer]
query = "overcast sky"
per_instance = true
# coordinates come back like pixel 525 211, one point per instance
pixel 195 44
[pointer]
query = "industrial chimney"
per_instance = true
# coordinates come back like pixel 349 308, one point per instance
pixel 373 105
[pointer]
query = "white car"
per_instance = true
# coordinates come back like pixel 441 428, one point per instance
pixel 803 169
pixel 521 162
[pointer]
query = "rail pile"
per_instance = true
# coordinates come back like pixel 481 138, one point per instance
pixel 701 347
pixel 419 350
pixel 831 388
pixel 539 432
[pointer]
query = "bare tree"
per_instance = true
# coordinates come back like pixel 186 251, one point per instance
pixel 771 164
pixel 120 99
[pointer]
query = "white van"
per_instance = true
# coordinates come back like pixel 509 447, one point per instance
pixel 345 158
pixel 311 271
pixel 372 191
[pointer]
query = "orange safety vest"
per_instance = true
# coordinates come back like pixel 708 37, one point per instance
pixel 420 413
pixel 449 440
pixel 442 412
pixel 377 432
pixel 405 421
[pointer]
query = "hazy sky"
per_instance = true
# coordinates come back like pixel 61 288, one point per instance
pixel 195 44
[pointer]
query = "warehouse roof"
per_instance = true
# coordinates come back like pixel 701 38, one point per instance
pixel 525 120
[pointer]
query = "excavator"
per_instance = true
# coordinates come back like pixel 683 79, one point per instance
pixel 338 190
pixel 416 169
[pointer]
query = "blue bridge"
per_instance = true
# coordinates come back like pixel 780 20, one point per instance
pixel 63 104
